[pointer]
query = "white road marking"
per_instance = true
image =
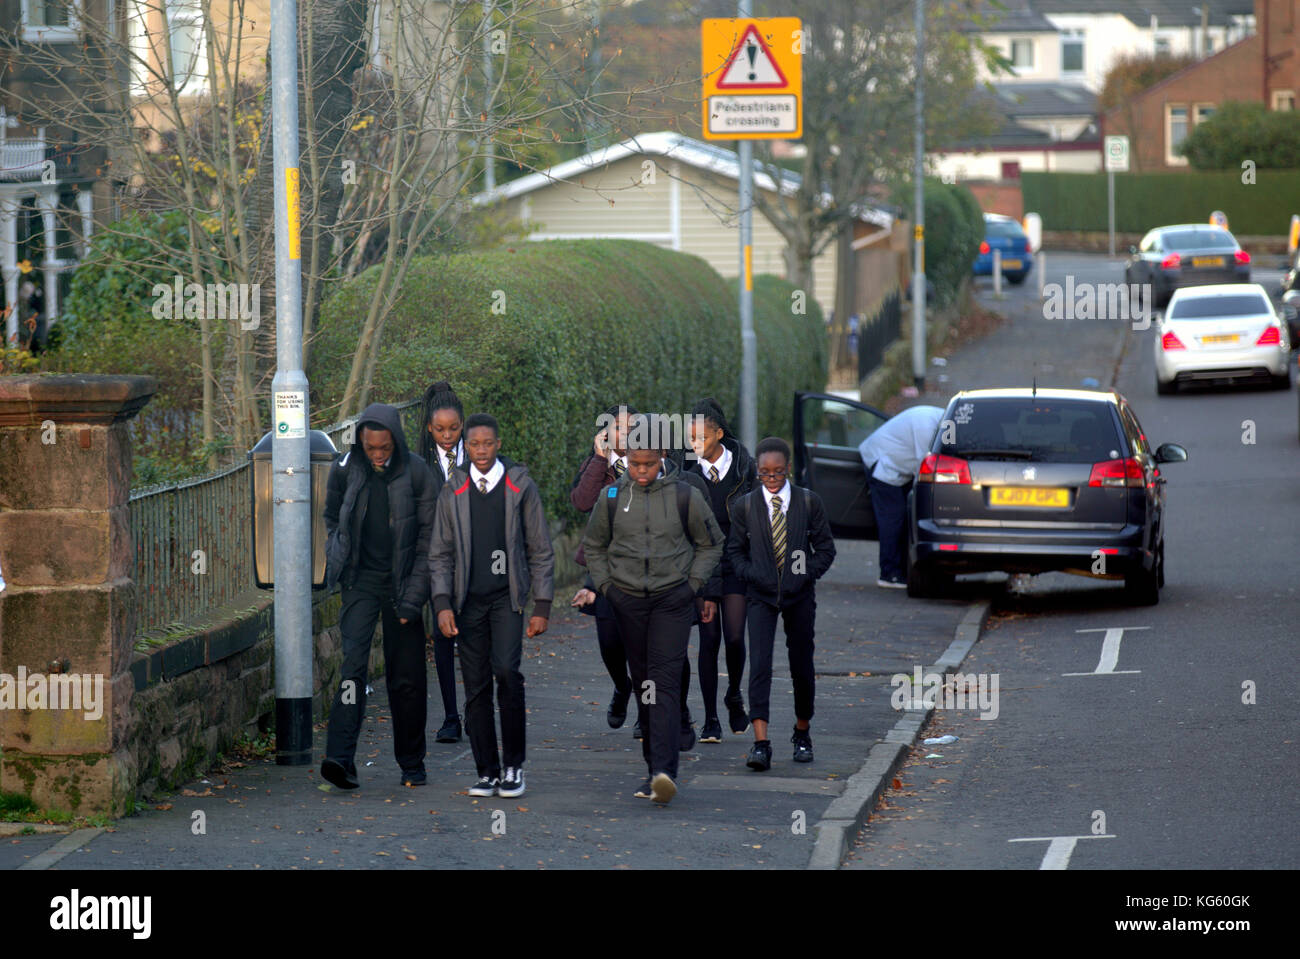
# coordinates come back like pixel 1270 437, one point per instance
pixel 1109 651
pixel 1059 848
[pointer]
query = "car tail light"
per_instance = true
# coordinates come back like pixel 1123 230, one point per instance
pixel 937 468
pixel 1272 336
pixel 1026 244
pixel 984 246
pixel 1170 341
pixel 1117 473
pixel 950 547
pixel 1242 257
pixel 1171 262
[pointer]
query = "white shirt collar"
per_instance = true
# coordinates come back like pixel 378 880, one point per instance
pixel 722 465
pixel 783 492
pixel 493 476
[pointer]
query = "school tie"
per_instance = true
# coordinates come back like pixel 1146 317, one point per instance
pixel 451 462
pixel 713 474
pixel 619 467
pixel 778 533
pixel 482 484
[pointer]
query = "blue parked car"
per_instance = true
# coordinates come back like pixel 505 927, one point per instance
pixel 1005 234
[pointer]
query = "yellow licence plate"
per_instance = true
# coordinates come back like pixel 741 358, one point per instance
pixel 1225 338
pixel 1207 261
pixel 1029 496
pixel 1012 264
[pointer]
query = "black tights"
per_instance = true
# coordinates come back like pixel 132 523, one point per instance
pixel 728 625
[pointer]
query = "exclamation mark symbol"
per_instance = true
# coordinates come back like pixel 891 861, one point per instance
pixel 751 51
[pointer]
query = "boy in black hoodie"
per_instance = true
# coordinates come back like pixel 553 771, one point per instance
pixel 491 548
pixel 780 545
pixel 379 516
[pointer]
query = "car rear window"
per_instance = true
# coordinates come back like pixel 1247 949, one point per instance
pixel 1031 429
pixel 1198 240
pixel 1209 307
pixel 1002 228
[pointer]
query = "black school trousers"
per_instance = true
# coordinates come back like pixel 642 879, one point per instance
pixel 491 641
pixel 404 674
pixel 798 617
pixel 655 630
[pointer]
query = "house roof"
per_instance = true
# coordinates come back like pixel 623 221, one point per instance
pixel 1016 16
pixel 1044 100
pixel 673 146
pixel 1168 13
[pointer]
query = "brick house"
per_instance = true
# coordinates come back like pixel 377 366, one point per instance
pixel 1262 68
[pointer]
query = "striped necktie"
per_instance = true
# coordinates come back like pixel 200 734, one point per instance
pixel 482 484
pixel 778 533
pixel 451 462
pixel 713 474
pixel 619 467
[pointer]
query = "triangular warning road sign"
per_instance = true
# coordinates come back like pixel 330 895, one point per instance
pixel 751 65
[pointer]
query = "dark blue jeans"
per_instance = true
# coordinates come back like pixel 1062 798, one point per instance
pixel 890 506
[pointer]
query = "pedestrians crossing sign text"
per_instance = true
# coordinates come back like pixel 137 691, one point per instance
pixel 753 78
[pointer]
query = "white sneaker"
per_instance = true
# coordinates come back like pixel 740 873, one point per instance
pixel 891 584
pixel 662 788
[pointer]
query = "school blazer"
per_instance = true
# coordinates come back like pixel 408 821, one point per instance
pixel 749 547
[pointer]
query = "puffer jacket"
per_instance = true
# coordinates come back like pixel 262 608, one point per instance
pixel 410 514
pixel 530 559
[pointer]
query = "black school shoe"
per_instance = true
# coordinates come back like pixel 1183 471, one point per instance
pixel 616 715
pixel 712 731
pixel 760 756
pixel 637 732
pixel 688 737
pixel 802 739
pixel 646 791
pixel 335 773
pixel 414 777
pixel 737 718
pixel 450 731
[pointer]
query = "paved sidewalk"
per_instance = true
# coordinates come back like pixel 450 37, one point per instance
pixel 579 810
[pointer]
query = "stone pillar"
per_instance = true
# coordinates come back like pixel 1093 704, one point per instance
pixel 68 614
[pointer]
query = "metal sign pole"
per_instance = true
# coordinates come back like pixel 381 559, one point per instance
pixel 918 256
pixel 748 343
pixel 290 446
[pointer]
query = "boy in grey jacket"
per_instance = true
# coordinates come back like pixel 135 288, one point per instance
pixel 491 547
pixel 651 565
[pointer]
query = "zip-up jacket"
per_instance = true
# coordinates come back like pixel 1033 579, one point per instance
pixel 749 547
pixel 647 552
pixel 410 514
pixel 530 560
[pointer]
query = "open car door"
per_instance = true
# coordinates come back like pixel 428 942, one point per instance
pixel 827 432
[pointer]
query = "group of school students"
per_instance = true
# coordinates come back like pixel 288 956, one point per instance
pixel 721 540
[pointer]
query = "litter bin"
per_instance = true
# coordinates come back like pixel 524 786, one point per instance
pixel 323 453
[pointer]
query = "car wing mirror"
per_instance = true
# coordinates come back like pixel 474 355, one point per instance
pixel 1171 453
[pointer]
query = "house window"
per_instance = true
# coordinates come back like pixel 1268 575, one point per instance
pixel 188 47
pixel 1283 99
pixel 1022 54
pixel 51 21
pixel 1203 112
pixel 189 52
pixel 1162 47
pixel 1071 51
pixel 1175 134
pixel 1011 169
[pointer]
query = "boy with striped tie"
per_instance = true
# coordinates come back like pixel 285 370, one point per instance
pixel 780 545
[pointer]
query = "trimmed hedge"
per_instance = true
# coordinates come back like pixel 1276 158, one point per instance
pixel 954 229
pixel 580 325
pixel 1077 201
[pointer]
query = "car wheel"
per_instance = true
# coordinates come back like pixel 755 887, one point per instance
pixel 1017 278
pixel 1143 586
pixel 1166 389
pixel 1282 382
pixel 1160 577
pixel 928 583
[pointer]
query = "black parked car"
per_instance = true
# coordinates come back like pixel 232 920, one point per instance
pixel 1032 481
pixel 1188 255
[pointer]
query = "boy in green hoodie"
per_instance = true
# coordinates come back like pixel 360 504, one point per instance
pixel 651 563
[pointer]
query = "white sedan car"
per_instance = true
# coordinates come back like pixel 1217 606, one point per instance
pixel 1229 331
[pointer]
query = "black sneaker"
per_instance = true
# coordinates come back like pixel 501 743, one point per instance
pixel 334 772
pixel 645 792
pixel 712 731
pixel 760 756
pixel 486 786
pixel 450 731
pixel 616 715
pixel 637 732
pixel 688 737
pixel 512 782
pixel 737 718
pixel 414 777
pixel 802 740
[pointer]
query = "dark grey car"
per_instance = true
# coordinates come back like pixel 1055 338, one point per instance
pixel 1029 481
pixel 1191 254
